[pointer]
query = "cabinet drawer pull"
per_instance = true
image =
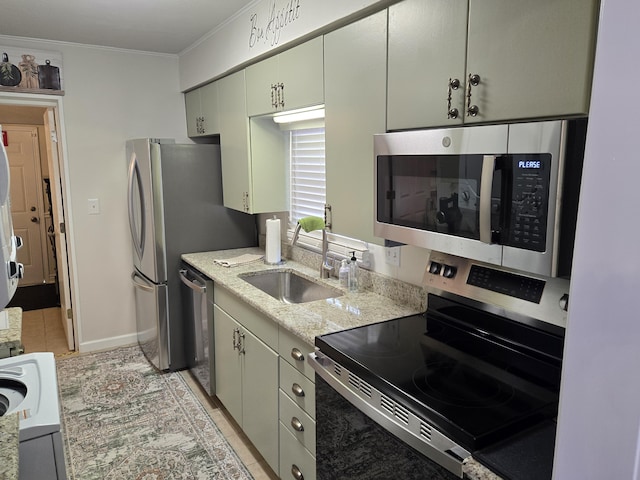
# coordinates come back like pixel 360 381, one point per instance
pixel 297 355
pixel 295 471
pixel 297 424
pixel 297 390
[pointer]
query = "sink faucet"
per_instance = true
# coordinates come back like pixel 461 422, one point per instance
pixel 310 224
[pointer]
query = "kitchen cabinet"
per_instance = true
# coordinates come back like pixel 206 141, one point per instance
pixel 355 108
pixel 202 111
pixel 287 81
pixel 253 179
pixel 297 408
pixel 516 59
pixel 247 371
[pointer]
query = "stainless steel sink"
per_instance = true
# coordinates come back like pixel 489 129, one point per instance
pixel 288 287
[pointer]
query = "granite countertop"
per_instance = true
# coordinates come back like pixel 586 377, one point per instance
pixel 10 344
pixel 11 338
pixel 377 300
pixel 306 320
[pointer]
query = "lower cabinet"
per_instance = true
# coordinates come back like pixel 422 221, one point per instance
pixel 247 372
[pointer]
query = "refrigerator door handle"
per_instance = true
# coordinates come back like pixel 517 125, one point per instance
pixel 191 284
pixel 137 284
pixel 134 178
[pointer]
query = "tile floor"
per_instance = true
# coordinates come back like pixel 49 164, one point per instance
pixel 42 331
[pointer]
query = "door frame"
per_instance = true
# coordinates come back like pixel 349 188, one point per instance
pixel 62 183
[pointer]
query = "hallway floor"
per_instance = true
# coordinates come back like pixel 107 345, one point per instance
pixel 42 331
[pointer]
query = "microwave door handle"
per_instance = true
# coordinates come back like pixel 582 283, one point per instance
pixel 486 187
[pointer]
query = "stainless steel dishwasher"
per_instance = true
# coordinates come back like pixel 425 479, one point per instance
pixel 197 315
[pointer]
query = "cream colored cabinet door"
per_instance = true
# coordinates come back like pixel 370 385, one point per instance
pixel 534 59
pixel 260 396
pixel 287 81
pixel 228 363
pixel 302 73
pixel 201 106
pixel 355 82
pixel 209 108
pixel 427 43
pixel 262 83
pixel 234 142
pixel 194 112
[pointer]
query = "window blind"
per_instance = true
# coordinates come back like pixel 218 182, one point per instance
pixel 307 187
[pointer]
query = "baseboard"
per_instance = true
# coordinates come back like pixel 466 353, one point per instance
pixel 108 343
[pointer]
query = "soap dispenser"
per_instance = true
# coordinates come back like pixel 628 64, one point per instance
pixel 353 273
pixel 343 273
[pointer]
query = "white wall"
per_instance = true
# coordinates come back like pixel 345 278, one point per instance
pixel 600 395
pixel 262 26
pixel 110 96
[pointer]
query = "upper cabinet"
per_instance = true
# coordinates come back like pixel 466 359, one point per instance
pixel 292 79
pixel 253 182
pixel 202 111
pixel 455 61
pixel 355 84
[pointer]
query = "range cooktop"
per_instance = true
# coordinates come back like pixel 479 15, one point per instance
pixel 475 382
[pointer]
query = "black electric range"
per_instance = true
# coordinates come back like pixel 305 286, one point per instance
pixel 460 378
pixel 471 381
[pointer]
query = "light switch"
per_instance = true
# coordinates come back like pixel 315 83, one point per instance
pixel 93 206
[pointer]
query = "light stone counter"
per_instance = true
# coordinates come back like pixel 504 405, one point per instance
pixel 11 338
pixel 379 299
pixel 307 320
pixel 10 344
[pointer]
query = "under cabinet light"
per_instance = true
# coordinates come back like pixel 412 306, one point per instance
pixel 299 115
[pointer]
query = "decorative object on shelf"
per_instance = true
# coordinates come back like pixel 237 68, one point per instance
pixel 49 76
pixel 10 75
pixel 29 69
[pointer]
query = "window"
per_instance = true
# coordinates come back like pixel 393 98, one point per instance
pixel 307 181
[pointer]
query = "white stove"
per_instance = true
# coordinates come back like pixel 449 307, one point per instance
pixel 29 389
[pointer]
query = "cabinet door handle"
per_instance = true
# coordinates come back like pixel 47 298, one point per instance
pixel 295 471
pixel 297 424
pixel 236 342
pixel 454 84
pixel 297 390
pixel 241 344
pixel 297 355
pixel 474 81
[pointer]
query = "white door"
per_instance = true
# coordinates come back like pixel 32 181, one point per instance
pixel 27 209
pixel 59 233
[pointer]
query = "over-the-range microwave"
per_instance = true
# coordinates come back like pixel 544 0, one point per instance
pixel 502 194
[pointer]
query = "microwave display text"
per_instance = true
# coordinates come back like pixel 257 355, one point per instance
pixel 529 164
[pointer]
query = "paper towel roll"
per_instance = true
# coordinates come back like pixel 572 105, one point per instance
pixel 272 254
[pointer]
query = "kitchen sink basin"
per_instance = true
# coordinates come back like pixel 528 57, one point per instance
pixel 288 287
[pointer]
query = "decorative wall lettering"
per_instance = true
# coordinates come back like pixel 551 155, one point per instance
pixel 267 30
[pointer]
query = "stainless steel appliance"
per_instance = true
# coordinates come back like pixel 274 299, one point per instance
pixel 475 375
pixel 494 193
pixel 197 312
pixel 175 207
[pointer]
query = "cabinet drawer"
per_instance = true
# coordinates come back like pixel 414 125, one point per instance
pixel 295 351
pixel 290 380
pixel 295 419
pixel 261 326
pixel 293 456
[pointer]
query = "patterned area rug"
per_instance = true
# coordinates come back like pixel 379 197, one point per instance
pixel 123 420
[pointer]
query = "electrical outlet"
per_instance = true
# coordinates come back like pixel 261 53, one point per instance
pixel 392 256
pixel 93 206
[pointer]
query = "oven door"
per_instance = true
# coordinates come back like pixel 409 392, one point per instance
pixel 353 433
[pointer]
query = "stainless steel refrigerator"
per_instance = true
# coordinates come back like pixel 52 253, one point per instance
pixel 175 207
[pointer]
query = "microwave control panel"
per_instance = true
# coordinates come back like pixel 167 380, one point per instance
pixel 527 227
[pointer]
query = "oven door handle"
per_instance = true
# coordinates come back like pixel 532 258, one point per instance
pixel 486 187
